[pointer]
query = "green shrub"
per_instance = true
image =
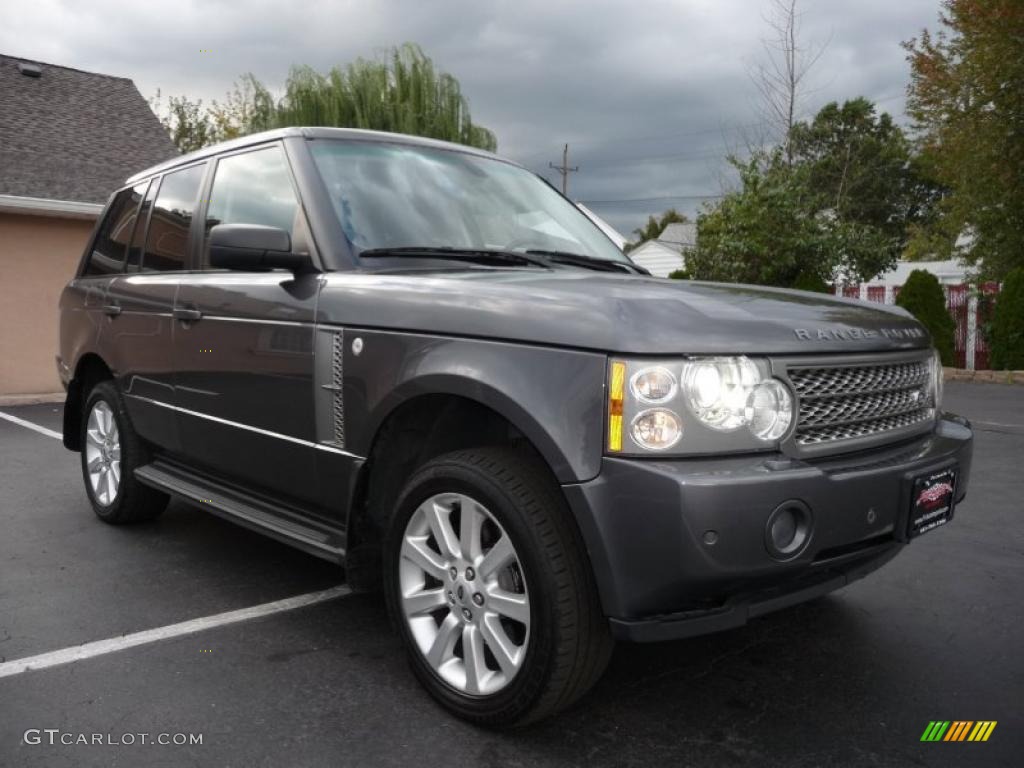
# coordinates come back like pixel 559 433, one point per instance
pixel 679 274
pixel 922 296
pixel 808 281
pixel 1007 335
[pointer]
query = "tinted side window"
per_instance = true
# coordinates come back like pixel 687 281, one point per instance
pixel 109 247
pixel 135 249
pixel 171 220
pixel 253 188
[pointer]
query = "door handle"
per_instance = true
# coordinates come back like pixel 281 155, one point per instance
pixel 186 315
pixel 111 310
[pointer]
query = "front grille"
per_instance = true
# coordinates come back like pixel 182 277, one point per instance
pixel 845 402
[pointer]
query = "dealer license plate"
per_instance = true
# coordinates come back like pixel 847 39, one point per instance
pixel 931 503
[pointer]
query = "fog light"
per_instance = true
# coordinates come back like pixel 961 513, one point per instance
pixel 788 530
pixel 783 530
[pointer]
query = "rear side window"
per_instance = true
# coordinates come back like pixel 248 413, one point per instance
pixel 135 248
pixel 253 188
pixel 108 249
pixel 171 220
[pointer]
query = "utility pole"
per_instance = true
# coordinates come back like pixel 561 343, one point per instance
pixel 564 169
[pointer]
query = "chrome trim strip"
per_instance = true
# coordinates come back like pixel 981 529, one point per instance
pixel 249 427
pixel 258 321
pixel 199 391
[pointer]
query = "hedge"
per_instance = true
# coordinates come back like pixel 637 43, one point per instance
pixel 922 296
pixel 1007 330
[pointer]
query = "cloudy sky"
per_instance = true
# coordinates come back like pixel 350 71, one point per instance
pixel 649 94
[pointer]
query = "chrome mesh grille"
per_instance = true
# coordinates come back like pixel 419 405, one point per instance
pixel 337 381
pixel 855 401
pixel 815 382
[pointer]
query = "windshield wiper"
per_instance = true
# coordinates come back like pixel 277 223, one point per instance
pixel 475 255
pixel 588 262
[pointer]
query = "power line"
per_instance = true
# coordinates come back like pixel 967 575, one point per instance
pixel 651 199
pixel 683 134
pixel 684 157
pixel 678 135
pixel 564 169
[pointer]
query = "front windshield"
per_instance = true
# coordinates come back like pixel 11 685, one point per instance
pixel 404 196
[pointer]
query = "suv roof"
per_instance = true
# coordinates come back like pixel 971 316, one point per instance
pixel 351 134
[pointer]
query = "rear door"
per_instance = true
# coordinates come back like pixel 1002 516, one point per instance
pixel 244 341
pixel 139 340
pixel 84 317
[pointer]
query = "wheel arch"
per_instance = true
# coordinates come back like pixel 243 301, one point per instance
pixel 431 416
pixel 89 371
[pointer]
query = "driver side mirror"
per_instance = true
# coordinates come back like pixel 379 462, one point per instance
pixel 255 248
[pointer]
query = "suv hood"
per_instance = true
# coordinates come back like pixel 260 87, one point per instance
pixel 615 313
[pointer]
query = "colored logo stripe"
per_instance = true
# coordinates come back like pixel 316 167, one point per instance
pixel 935 730
pixel 982 730
pixel 958 730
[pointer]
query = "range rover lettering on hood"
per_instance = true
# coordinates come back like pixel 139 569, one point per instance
pixel 857 334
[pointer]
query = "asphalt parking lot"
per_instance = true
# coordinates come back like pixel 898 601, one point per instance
pixel 852 679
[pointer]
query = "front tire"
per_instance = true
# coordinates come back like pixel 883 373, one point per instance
pixel 111 451
pixel 489 585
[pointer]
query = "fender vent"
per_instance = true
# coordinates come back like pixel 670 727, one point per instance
pixel 337 383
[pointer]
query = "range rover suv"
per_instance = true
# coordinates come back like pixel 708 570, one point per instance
pixel 421 362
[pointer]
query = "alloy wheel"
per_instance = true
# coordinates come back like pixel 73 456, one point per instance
pixel 103 453
pixel 463 594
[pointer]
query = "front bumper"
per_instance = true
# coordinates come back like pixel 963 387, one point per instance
pixel 678 546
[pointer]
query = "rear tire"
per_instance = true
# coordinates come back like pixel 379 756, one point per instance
pixel 538 639
pixel 111 451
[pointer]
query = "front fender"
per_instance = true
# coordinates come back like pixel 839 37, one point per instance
pixel 553 396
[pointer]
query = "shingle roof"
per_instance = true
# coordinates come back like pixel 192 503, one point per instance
pixel 73 135
pixel 679 235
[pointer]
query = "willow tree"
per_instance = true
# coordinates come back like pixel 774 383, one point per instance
pixel 401 92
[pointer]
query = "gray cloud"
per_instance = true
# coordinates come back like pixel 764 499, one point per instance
pixel 650 95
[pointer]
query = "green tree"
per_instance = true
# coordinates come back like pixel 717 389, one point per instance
pixel 858 169
pixel 401 92
pixel 765 232
pixel 965 98
pixel 248 108
pixel 1007 333
pixel 654 227
pixel 186 121
pixel 839 200
pixel 922 297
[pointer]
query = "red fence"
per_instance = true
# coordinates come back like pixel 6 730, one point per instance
pixel 958 301
pixel 970 310
pixel 986 303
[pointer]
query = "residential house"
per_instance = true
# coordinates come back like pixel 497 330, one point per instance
pixel 68 138
pixel 666 253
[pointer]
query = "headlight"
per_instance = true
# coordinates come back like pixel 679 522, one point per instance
pixel 937 381
pixel 653 385
pixel 717 390
pixel 699 405
pixel 656 429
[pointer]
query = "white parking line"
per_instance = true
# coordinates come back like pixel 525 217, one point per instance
pixel 30 425
pixel 101 647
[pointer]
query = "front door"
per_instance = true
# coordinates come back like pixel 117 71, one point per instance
pixel 244 343
pixel 139 337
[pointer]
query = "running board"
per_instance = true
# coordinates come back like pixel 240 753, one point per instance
pixel 245 509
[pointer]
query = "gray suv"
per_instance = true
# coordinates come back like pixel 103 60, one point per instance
pixel 421 362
